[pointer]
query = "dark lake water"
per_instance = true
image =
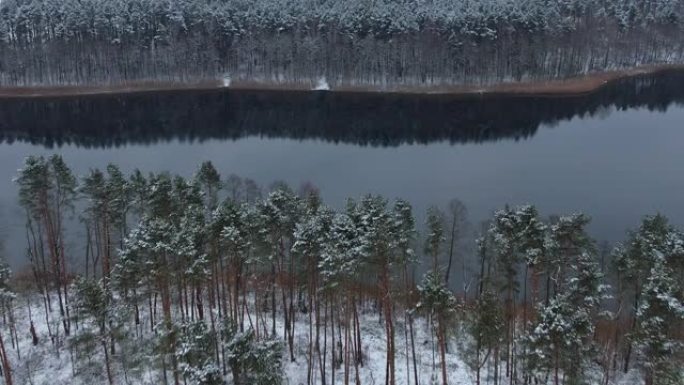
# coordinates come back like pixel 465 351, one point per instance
pixel 616 154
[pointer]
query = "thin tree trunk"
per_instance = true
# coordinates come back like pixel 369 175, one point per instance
pixel 107 363
pixel 7 370
pixel 389 326
pixel 441 338
pixel 451 250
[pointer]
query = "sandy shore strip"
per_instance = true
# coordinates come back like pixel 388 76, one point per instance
pixel 567 87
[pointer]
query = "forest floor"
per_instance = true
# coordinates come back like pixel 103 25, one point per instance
pixel 557 87
pixel 55 363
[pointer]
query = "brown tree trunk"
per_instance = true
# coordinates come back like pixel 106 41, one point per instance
pixel 7 372
pixel 108 368
pixel 389 325
pixel 441 338
pixel 166 308
pixel 556 367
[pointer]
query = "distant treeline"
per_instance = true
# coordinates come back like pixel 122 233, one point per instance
pixel 374 42
pixel 374 119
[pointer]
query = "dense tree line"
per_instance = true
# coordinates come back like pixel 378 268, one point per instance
pixel 357 118
pixel 209 280
pixel 346 42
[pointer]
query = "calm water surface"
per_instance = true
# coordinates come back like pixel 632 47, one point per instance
pixel 617 155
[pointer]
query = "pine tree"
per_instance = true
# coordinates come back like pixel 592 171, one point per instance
pixel 189 245
pixel 404 233
pixel 561 339
pixel 252 362
pixel 148 251
pixel 94 306
pixel 342 261
pixel 311 237
pixel 459 223
pixel 210 181
pixel 437 301
pixel 376 232
pixel 280 213
pixel 195 353
pixel 47 190
pixel 659 317
pixel 120 196
pixel 505 233
pixel 635 259
pixel 140 191
pixel 100 218
pixel 230 222
pixel 434 239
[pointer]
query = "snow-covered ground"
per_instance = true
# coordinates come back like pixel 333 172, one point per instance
pixel 373 372
pixel 53 363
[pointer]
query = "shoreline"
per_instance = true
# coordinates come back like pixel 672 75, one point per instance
pixel 574 86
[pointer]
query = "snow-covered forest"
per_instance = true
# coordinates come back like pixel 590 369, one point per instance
pixel 331 42
pixel 214 280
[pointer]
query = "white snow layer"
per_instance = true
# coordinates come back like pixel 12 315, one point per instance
pixel 52 364
pixel 322 85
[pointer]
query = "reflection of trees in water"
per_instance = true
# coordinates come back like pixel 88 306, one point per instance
pixel 364 119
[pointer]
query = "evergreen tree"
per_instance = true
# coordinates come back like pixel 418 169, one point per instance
pixel 404 233
pixel 47 190
pixel 434 239
pixel 311 238
pixel 485 328
pixel 96 314
pixel 659 317
pixel 279 215
pixel 459 224
pixel 376 232
pixel 505 234
pixel 635 259
pixel 561 339
pixel 437 301
pixel 252 362
pixel 195 353
pixel 148 250
pixel 231 223
pixel 210 180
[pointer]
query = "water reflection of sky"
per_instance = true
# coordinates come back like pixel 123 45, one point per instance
pixel 616 168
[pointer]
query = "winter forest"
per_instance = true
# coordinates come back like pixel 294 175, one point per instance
pixel 120 276
pixel 215 280
pixel 331 42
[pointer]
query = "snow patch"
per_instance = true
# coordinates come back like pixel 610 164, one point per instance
pixel 322 84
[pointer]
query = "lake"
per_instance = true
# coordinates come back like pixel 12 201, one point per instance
pixel 616 154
